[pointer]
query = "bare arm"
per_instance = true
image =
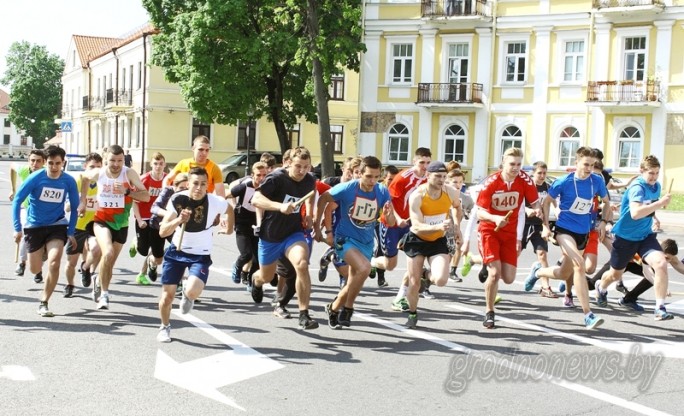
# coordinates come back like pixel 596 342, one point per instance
pixel 141 194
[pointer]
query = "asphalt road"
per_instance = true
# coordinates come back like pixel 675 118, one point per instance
pixel 230 356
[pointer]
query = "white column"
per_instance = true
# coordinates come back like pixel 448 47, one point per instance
pixel 485 76
pixel 662 67
pixel 601 57
pixel 539 133
pixel 427 74
pixel 368 90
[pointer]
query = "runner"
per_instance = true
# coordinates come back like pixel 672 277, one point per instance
pixel 117 187
pixel 201 146
pixel 194 211
pixel 46 228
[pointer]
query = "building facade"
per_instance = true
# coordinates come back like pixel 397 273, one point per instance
pixel 470 78
pixel 14 143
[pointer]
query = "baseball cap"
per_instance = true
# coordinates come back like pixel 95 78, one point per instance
pixel 436 166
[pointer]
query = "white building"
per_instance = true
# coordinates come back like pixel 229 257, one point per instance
pixel 13 143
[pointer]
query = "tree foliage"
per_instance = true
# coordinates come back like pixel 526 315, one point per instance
pixel 35 78
pixel 236 59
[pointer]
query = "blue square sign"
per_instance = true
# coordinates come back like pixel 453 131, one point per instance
pixel 65 126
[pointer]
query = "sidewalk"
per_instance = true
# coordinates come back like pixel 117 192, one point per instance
pixel 671 221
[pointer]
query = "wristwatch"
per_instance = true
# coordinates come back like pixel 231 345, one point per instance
pixel 127 191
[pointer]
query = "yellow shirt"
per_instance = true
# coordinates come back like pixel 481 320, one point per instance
pixel 213 171
pixel 434 211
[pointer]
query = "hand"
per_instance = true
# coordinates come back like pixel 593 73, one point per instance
pixel 141 223
pixel 665 201
pixel 184 216
pixel 501 221
pixel 11 196
pixel 546 232
pixel 329 239
pixel 287 209
pixel 317 235
pixel 403 223
pixel 118 187
pixel 81 209
pixel 72 241
pixel 446 225
pixel 17 236
pixel 308 223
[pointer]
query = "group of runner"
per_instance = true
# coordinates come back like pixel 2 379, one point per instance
pixel 277 214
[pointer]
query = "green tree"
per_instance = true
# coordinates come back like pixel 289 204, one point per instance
pixel 35 78
pixel 236 59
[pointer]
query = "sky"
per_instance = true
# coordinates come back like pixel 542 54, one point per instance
pixel 51 23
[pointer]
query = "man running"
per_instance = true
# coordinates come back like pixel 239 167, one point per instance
pixel 200 158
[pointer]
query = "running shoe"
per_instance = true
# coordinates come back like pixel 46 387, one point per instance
pixel 132 250
pixel 426 294
pixel 628 304
pixel 453 275
pixel 235 274
pixel 68 291
pixel 620 286
pixel 281 312
pixel 164 334
pixel 152 272
pixel 661 314
pixel 547 292
pixel 592 321
pixel 567 301
pixel 344 317
pixel 257 293
pixel 103 303
pixel 467 265
pixel 305 321
pixel 186 304
pixel 532 277
pixel 324 263
pixel 483 275
pixel 497 299
pixel 373 272
pixel 489 320
pixel 44 311
pixel 97 290
pixel 86 276
pixel 142 279
pixel 601 297
pixel 38 278
pixel 332 317
pixel 561 287
pixel 244 276
pixel 412 321
pixel 381 278
pixel 21 268
pixel 400 305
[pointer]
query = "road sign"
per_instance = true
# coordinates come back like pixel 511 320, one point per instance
pixel 65 126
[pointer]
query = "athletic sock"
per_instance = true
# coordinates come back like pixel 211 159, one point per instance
pixel 402 292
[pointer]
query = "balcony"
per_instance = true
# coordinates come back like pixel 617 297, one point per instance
pixel 628 8
pixel 118 101
pixel 455 9
pixel 623 94
pixel 464 94
pixel 92 106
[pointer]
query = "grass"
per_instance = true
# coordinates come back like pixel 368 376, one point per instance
pixel 677 203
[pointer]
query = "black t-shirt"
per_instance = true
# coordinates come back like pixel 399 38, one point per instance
pixel 542 190
pixel 200 209
pixel 280 187
pixel 332 181
pixel 245 212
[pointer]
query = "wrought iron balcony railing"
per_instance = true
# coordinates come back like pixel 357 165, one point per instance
pixel 607 4
pixel 445 93
pixel 623 91
pixel 455 8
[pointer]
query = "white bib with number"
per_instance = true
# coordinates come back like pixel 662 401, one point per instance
pixel 505 201
pixel 54 195
pixel 434 219
pixel 581 206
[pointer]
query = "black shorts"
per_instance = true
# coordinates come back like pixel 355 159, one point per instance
pixel 580 239
pixel 36 238
pixel 285 269
pixel 624 250
pixel 81 237
pixel 532 233
pixel 414 246
pixel 118 236
pixel 148 237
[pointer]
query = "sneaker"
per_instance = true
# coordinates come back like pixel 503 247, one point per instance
pixel 305 321
pixel 592 321
pixel 453 275
pixel 561 287
pixel 164 334
pixel 532 277
pixel 143 280
pixel 186 304
pixel 343 281
pixel 400 305
pixel 38 278
pixel 97 290
pixel 630 305
pixel 547 292
pixel 281 312
pixel 601 297
pixel 324 263
pixel 662 315
pixel 467 265
pixel 567 301
pixel 86 276
pixel 412 321
pixel 44 311
pixel 621 287
pixel 427 294
pixel 235 275
pixel 373 272
pixel 132 250
pixel 244 276
pixel 332 317
pixel 103 302
pixel 483 275
pixel 274 281
pixel 489 320
pixel 257 293
pixel 381 278
pixel 68 291
pixel 497 299
pixel 21 268
pixel 344 317
pixel 152 272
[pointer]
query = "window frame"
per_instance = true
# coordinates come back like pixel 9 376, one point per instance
pixel 575 142
pixel 501 139
pixel 634 139
pixel 199 128
pixel 336 87
pixel 401 40
pixel 338 145
pixel 504 41
pixel 398 135
pixel 447 137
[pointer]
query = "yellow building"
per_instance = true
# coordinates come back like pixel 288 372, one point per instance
pixel 469 78
pixel 113 94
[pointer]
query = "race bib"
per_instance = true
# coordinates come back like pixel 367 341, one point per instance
pixel 580 206
pixel 364 211
pixel 434 219
pixel 110 200
pixel 91 204
pixel 505 201
pixel 53 195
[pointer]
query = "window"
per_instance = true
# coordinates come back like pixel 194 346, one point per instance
pixel 243 128
pixel 402 63
pixel 336 134
pixel 293 135
pixel 398 141
pixel 24 141
pixel 139 75
pixel 454 143
pixel 336 89
pixel 574 61
pixel 6 139
pixel 7 122
pixel 200 128
pixel 567 146
pixel 458 63
pixel 515 61
pixel 511 137
pixel 635 58
pixel 629 148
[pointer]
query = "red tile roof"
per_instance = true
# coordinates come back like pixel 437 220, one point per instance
pixel 93 47
pixel 4 102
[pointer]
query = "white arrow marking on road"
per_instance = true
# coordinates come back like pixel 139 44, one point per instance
pixel 668 349
pixel 205 375
pixel 16 373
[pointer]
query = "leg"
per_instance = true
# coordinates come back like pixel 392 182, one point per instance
pixel 55 248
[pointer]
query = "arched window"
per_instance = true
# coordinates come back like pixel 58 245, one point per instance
pixel 629 148
pixel 398 143
pixel 568 143
pixel 454 143
pixel 511 137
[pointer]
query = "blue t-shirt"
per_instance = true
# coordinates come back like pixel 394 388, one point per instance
pixel 359 210
pixel 576 200
pixel 627 227
pixel 46 198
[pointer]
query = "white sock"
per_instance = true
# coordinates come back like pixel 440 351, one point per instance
pixel 402 292
pixel 659 303
pixel 105 293
pixel 374 262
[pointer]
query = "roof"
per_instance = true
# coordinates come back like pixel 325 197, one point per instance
pixel 4 102
pixel 93 47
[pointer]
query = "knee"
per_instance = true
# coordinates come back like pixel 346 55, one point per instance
pixel 165 300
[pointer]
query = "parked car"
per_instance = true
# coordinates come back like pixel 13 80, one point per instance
pixel 234 167
pixel 74 165
pixel 338 169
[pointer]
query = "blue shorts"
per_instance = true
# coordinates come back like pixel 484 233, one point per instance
pixel 387 239
pixel 624 250
pixel 343 244
pixel 269 252
pixel 175 263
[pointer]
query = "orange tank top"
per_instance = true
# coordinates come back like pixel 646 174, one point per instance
pixel 435 211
